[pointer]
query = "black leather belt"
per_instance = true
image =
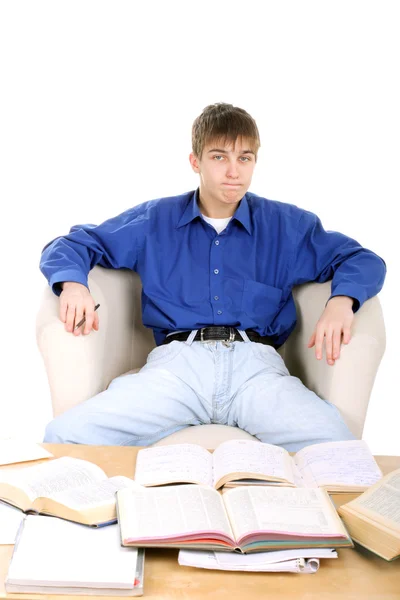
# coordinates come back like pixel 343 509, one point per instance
pixel 227 334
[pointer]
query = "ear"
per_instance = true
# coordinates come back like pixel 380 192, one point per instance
pixel 194 161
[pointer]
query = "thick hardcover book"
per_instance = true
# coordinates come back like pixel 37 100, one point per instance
pixel 70 488
pixel 373 519
pixel 244 519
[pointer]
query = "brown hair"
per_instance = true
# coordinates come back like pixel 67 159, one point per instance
pixel 223 122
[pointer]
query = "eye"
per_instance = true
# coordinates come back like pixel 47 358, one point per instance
pixel 246 158
pixel 218 156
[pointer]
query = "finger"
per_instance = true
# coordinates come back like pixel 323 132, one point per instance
pixel 96 321
pixel 328 347
pixel 79 314
pixel 311 341
pixel 63 309
pixel 89 313
pixel 346 335
pixel 319 340
pixel 70 318
pixel 337 335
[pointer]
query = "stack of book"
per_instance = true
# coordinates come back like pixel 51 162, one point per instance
pixel 55 555
pixel 285 507
pixel 247 506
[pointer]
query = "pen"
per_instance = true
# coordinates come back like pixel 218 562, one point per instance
pixel 81 322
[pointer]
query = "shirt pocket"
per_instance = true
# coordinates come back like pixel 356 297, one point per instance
pixel 261 302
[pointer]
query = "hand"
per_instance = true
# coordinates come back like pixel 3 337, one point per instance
pixel 75 303
pixel 335 321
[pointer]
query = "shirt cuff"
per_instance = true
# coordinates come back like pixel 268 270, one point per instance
pixel 359 295
pixel 61 276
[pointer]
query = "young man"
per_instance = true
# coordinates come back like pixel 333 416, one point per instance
pixel 217 266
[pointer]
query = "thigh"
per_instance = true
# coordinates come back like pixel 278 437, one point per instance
pixel 278 409
pixel 136 409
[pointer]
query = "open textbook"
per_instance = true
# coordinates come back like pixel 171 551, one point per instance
pixel 335 466
pixel 244 519
pixel 303 560
pixel 373 519
pixel 70 488
pixel 52 556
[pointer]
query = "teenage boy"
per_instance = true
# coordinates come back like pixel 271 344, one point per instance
pixel 217 266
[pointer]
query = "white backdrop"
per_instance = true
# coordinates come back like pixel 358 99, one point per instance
pixel 97 102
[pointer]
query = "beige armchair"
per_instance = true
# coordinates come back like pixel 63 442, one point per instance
pixel 80 367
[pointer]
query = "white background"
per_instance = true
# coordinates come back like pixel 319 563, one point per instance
pixel 97 102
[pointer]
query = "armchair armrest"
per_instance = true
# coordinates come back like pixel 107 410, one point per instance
pixel 80 367
pixel 347 384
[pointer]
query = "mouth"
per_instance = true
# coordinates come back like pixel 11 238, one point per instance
pixel 232 185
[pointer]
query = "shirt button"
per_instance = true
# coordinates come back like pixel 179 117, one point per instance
pixel 216 271
pixel 216 297
pixel 219 312
pixel 217 242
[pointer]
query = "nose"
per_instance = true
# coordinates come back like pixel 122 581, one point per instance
pixel 232 170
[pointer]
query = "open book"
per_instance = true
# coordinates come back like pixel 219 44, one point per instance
pixel 244 519
pixel 373 519
pixel 52 556
pixel 335 466
pixel 70 488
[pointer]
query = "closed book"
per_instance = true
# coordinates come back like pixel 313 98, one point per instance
pixel 53 556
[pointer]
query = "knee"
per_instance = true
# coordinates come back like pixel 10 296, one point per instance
pixel 58 432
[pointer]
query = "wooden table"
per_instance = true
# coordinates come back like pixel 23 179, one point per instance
pixel 356 575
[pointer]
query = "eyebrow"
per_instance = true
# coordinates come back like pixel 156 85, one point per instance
pixel 225 152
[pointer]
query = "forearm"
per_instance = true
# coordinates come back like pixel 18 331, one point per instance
pixel 359 277
pixel 63 260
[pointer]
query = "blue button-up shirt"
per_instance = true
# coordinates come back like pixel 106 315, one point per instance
pixel 193 277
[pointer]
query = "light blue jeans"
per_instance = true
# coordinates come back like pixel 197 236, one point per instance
pixel 244 384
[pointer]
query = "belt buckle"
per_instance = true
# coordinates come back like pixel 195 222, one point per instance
pixel 202 334
pixel 231 338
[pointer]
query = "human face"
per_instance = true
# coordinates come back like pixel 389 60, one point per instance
pixel 225 173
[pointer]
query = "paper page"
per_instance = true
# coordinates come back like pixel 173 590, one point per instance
pixel 252 457
pixel 177 463
pixel 341 463
pixel 382 502
pixel 56 551
pixel 170 511
pixel 236 562
pixel 10 520
pixel 226 558
pixel 284 510
pixel 93 494
pixel 53 476
pixel 14 450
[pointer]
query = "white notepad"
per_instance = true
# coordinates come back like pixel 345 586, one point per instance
pixel 13 450
pixel 10 521
pixel 55 556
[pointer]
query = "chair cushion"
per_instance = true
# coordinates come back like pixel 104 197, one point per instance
pixel 208 436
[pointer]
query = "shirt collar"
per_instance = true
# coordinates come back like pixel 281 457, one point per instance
pixel 192 211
